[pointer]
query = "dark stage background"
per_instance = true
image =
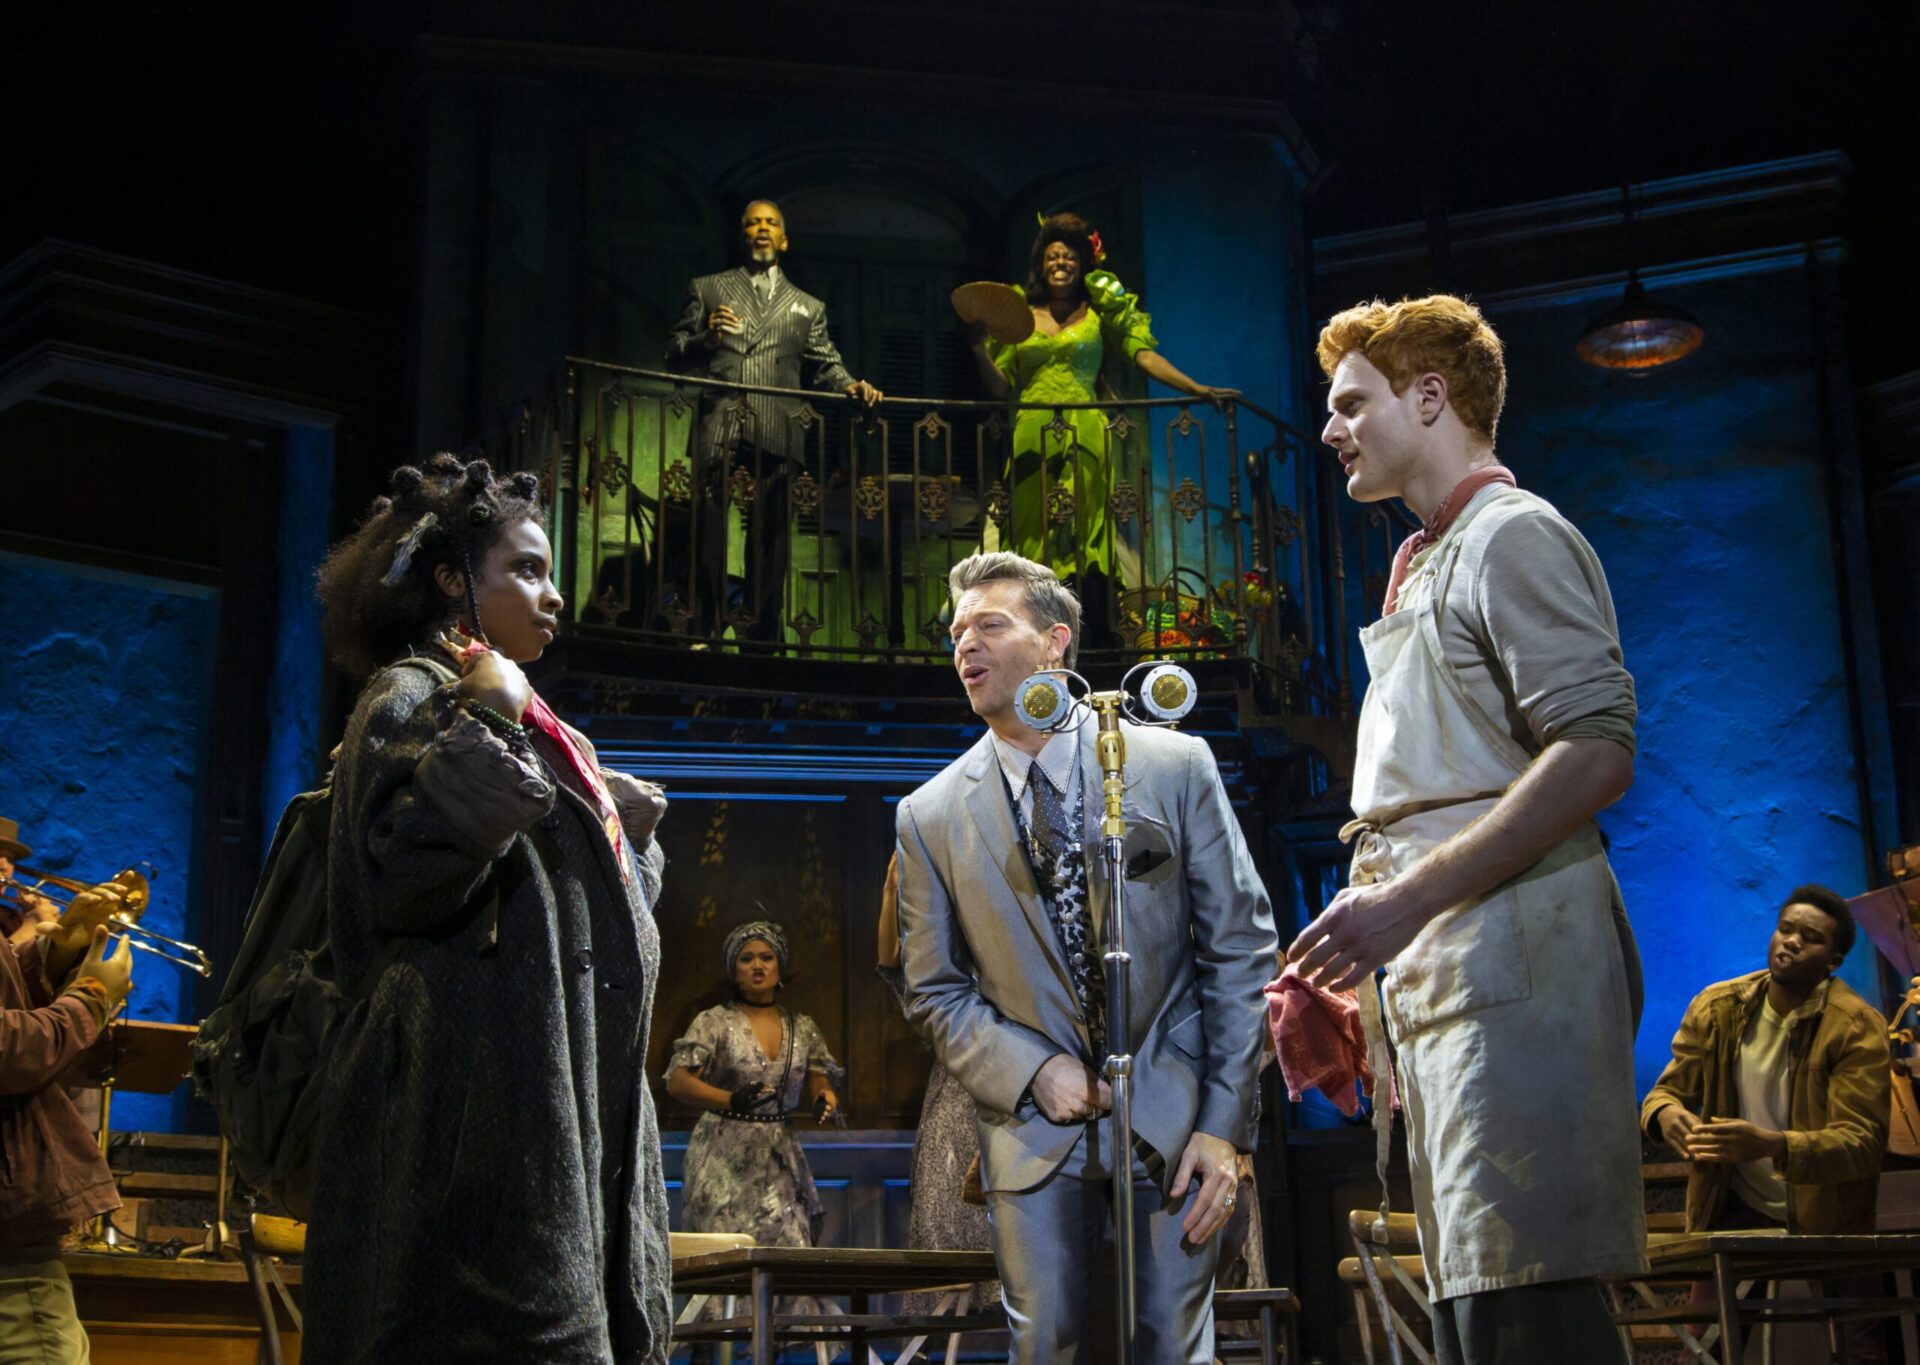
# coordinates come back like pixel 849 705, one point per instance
pixel 260 254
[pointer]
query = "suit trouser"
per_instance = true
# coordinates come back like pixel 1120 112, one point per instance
pixel 1054 1247
pixel 767 552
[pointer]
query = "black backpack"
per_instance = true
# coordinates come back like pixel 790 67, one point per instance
pixel 259 1057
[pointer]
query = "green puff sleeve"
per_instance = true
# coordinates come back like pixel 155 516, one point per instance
pixel 1122 319
pixel 1002 355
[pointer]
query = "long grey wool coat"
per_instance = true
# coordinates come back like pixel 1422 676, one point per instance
pixel 488 1187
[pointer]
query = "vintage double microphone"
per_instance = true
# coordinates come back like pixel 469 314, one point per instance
pixel 1045 702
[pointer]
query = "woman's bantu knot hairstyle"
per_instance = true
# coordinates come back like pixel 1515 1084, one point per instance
pixel 479 478
pixel 380 586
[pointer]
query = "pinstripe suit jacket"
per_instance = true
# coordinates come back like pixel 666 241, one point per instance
pixel 785 342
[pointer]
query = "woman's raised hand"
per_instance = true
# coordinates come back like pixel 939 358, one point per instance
pixel 493 680
pixel 641 803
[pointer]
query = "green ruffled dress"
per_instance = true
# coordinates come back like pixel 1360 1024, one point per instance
pixel 1061 519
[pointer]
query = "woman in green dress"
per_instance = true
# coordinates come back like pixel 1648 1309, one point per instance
pixel 1082 316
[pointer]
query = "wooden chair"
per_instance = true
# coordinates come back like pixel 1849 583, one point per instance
pixel 1387 1253
pixel 1387 1263
pixel 1277 1311
pixel 264 1238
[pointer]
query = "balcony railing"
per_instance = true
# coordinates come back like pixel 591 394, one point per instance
pixel 688 511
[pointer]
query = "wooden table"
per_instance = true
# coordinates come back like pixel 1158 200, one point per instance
pixel 142 1310
pixel 762 1274
pixel 1733 1261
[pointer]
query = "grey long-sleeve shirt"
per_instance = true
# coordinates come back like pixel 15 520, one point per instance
pixel 1528 623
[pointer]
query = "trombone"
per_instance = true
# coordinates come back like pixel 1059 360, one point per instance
pixel 135 892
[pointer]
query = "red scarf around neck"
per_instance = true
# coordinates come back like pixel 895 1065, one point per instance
pixel 541 717
pixel 1444 516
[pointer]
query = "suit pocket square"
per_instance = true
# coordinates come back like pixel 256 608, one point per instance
pixel 1145 861
pixel 1148 853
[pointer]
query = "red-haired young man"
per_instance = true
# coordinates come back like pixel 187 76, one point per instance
pixel 1498 723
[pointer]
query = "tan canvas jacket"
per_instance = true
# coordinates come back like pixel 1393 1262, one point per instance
pixel 51 1172
pixel 1840 1102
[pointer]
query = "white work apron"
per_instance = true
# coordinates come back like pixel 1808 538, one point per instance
pixel 1510 1013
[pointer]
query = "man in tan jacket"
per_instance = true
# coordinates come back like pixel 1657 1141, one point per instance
pixel 56 994
pixel 1779 1092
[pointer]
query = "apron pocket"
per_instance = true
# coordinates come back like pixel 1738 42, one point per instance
pixel 1470 958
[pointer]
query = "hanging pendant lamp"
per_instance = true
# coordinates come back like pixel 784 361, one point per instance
pixel 1639 334
pixel 1642 333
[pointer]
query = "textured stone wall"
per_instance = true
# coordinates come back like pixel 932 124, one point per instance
pixel 104 699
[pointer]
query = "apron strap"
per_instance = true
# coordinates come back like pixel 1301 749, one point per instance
pixel 1385 1085
pixel 1490 730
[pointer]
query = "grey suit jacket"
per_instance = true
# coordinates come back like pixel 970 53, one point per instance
pixel 785 346
pixel 985 978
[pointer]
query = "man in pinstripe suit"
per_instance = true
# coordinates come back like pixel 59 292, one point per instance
pixel 751 325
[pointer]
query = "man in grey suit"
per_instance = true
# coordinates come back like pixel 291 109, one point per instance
pixel 1002 897
pixel 752 325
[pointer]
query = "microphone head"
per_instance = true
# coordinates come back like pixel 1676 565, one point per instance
pixel 1043 701
pixel 1168 692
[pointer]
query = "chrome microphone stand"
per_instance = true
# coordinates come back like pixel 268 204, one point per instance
pixel 1045 703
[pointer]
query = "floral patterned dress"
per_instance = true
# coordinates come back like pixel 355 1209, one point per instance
pixel 945 1144
pixel 1061 479
pixel 752 1177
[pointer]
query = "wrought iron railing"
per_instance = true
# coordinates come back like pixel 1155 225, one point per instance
pixel 693 511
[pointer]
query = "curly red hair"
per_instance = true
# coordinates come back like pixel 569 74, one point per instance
pixel 1439 334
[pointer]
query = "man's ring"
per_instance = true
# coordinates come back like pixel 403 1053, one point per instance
pixel 1230 1199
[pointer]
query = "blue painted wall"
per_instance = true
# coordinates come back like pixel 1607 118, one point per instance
pixel 299 662
pixel 103 716
pixel 1702 487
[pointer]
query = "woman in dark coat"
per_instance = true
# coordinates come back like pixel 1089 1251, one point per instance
pixel 488 1184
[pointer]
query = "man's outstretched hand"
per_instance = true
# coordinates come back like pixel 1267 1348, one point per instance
pixel 1361 931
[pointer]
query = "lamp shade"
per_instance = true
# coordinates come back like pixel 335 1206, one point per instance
pixel 1639 334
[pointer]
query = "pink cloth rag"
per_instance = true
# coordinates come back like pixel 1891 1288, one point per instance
pixel 1318 1039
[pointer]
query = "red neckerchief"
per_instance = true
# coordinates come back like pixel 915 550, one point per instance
pixel 1444 515
pixel 541 717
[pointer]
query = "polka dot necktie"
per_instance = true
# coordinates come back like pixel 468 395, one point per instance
pixel 1060 860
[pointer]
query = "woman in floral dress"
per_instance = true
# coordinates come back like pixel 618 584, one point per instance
pixel 752 1065
pixel 946 1144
